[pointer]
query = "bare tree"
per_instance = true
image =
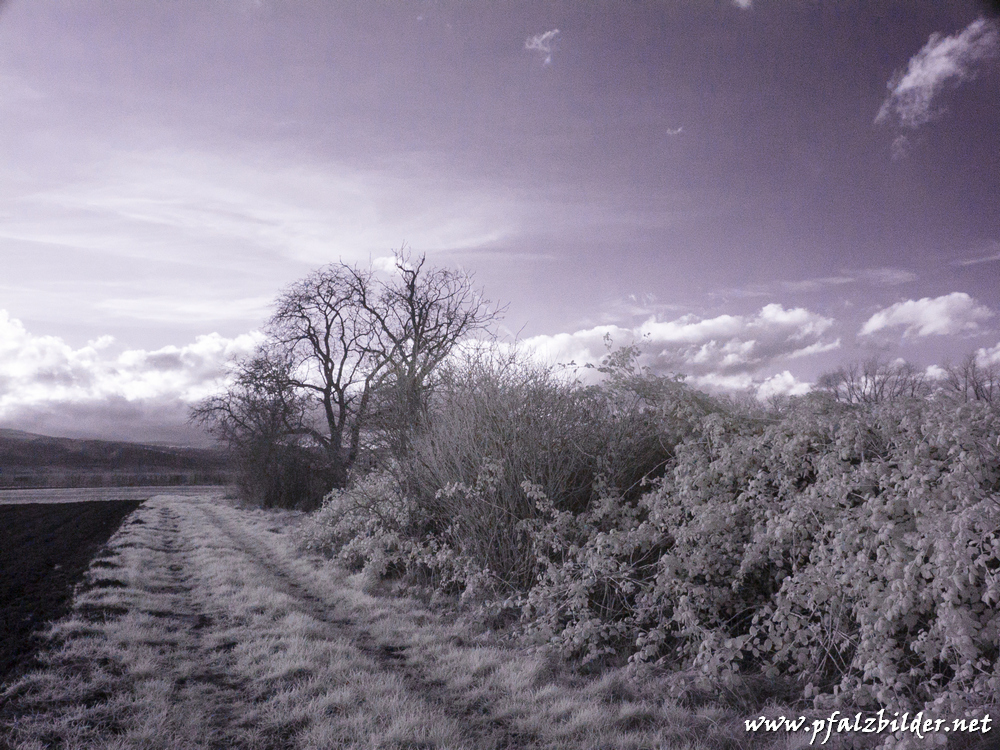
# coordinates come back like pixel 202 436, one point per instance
pixel 328 340
pixel 418 319
pixel 973 380
pixel 348 353
pixel 257 418
pixel 874 381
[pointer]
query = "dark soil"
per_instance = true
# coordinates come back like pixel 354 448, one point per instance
pixel 44 551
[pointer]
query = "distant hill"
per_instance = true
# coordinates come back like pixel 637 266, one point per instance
pixel 29 460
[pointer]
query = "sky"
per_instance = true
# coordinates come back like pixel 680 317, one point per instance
pixel 758 191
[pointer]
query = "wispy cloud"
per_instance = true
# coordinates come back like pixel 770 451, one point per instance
pixel 874 276
pixel 43 376
pixel 179 203
pixel 990 257
pixel 947 315
pixel 744 4
pixel 725 346
pixel 887 276
pixel 178 309
pixel 943 61
pixel 900 147
pixel 542 43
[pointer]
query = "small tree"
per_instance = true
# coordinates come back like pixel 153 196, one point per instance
pixel 348 355
pixel 259 418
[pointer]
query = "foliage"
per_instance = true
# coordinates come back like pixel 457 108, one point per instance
pixel 854 547
pixel 366 527
pixel 497 421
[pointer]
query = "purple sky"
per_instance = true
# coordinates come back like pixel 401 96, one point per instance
pixel 763 189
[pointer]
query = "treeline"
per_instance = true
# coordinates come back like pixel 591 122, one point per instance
pixel 37 461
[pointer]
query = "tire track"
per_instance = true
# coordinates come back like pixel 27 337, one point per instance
pixel 478 727
pixel 199 677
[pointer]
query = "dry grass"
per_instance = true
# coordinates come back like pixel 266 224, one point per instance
pixel 204 627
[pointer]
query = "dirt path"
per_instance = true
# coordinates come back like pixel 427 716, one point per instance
pixel 200 627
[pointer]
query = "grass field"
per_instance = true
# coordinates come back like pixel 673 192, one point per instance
pixel 201 625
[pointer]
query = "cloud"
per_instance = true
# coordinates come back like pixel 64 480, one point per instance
pixel 744 4
pixel 900 148
pixel 812 285
pixel 989 356
pixel 724 347
pixel 876 276
pixel 887 276
pixel 675 131
pixel 943 61
pixel 173 309
pixel 782 384
pixel 198 209
pixel 947 315
pixel 542 43
pixel 990 258
pixel 935 372
pixel 43 379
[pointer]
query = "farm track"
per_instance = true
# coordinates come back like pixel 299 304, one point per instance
pixel 478 728
pixel 200 627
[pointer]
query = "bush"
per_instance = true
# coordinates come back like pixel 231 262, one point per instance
pixel 853 547
pixel 497 422
pixel 367 527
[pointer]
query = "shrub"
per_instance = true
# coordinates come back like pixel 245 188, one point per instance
pixel 366 527
pixel 856 548
pixel 498 422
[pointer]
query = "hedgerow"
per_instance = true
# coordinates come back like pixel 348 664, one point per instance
pixel 855 548
pixel 852 547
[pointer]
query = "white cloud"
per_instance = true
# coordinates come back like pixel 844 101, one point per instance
pixel 744 4
pixel 935 372
pixel 989 356
pixel 943 61
pixel 542 43
pixel 947 315
pixel 726 346
pixel 43 375
pixel 782 384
